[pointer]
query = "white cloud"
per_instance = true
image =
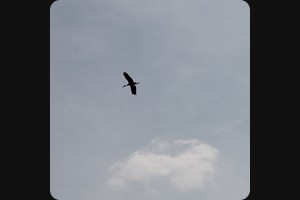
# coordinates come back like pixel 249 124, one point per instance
pixel 180 164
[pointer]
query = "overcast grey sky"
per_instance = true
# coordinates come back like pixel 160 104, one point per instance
pixel 186 135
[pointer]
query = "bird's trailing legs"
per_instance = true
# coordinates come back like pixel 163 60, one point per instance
pixel 135 83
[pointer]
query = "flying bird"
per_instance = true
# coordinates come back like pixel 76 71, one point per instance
pixel 131 83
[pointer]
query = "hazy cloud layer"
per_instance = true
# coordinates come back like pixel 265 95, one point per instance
pixel 192 60
pixel 181 164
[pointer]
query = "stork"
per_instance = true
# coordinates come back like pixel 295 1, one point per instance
pixel 131 83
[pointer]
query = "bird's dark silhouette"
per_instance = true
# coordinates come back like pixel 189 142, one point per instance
pixel 131 83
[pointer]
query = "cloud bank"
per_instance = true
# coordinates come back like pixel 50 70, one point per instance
pixel 179 164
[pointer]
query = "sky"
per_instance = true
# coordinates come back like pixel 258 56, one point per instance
pixel 185 135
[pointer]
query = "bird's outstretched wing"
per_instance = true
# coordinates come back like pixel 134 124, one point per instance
pixel 133 89
pixel 129 79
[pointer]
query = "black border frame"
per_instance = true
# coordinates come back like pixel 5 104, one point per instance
pixel 29 145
